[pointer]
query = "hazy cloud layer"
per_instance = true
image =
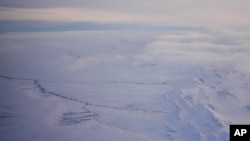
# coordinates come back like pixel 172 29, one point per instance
pixel 215 47
pixel 191 12
pixel 66 14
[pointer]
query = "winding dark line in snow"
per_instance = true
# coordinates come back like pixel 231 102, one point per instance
pixel 7 116
pixel 117 127
pixel 91 82
pixel 15 78
pixel 43 90
pixel 70 118
pixel 112 82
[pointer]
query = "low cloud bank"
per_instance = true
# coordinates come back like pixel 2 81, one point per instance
pixel 190 48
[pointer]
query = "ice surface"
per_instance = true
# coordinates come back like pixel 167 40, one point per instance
pixel 124 85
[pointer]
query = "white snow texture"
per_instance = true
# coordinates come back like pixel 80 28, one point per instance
pixel 180 85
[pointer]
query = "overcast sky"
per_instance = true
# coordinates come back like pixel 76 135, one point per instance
pixel 178 12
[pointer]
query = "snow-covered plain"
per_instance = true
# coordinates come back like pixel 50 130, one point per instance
pixel 181 85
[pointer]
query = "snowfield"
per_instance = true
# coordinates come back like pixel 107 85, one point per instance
pixel 180 85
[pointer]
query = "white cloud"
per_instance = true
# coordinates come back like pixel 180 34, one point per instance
pixel 198 48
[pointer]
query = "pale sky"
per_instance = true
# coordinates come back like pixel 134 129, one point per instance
pixel 156 12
